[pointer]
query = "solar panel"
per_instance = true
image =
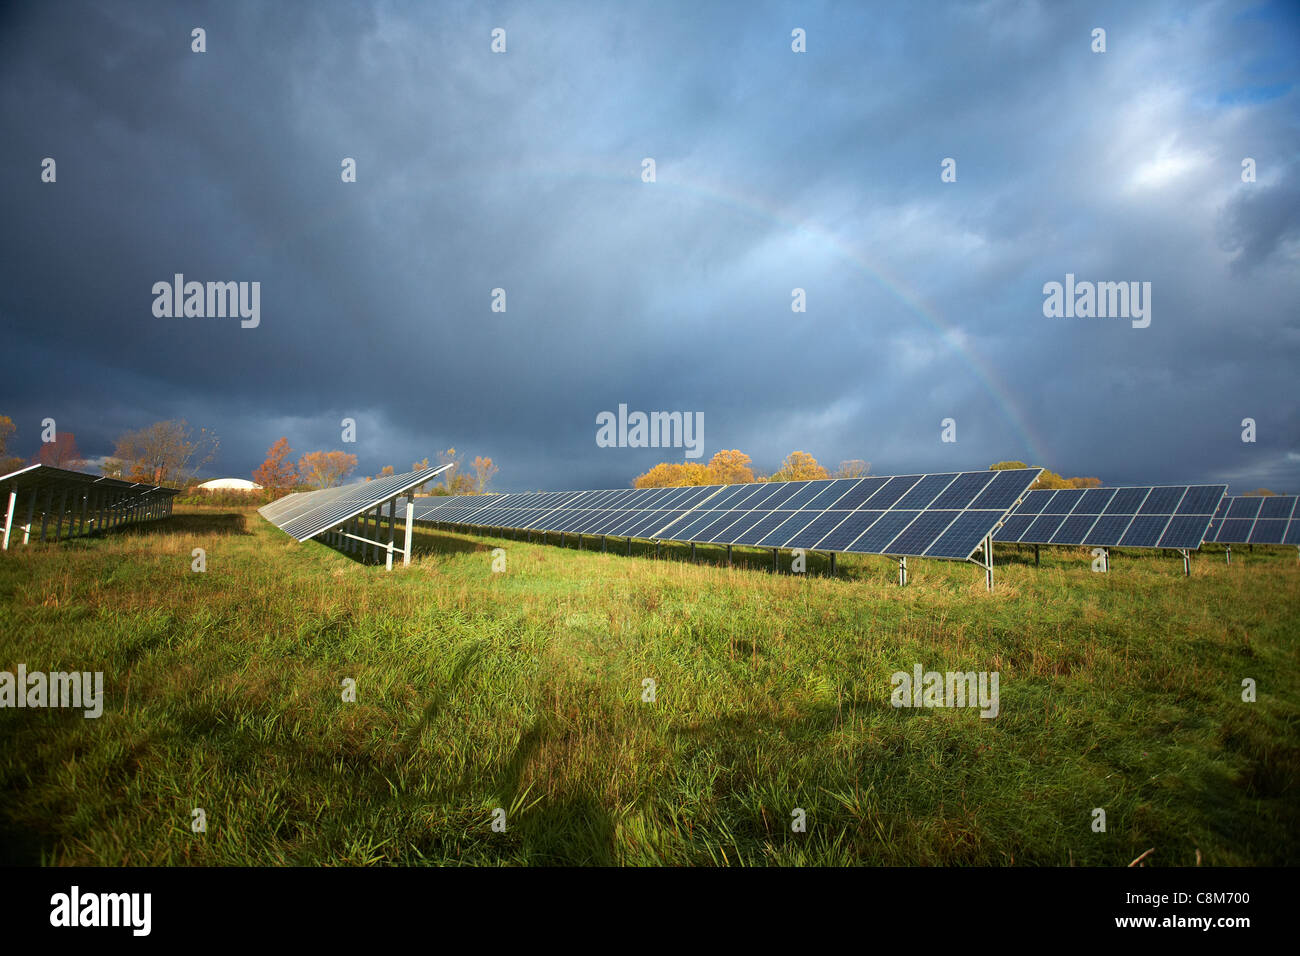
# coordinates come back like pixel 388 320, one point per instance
pixel 940 515
pixel 87 502
pixel 1256 519
pixel 1150 516
pixel 306 514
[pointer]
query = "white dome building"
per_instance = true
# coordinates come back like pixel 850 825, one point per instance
pixel 230 484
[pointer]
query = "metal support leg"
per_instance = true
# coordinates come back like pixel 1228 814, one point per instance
pixel 1228 554
pixel 579 542
pixel 728 555
pixel 31 510
pixel 561 539
pixel 602 544
pixel 832 564
pixel 692 552
pixel 1035 555
pixel 9 517
pixel 410 522
pixel 774 567
pixel 1105 557
pixel 1187 562
pixel 988 562
pixel 392 532
pixel 629 547
pixel 902 572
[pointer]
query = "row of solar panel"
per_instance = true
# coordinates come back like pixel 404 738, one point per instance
pixel 1160 516
pixel 1248 519
pixel 306 514
pixel 943 516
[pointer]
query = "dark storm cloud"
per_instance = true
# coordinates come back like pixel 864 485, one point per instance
pixel 775 171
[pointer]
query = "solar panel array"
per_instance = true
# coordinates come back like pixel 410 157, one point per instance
pixel 937 516
pixel 1256 519
pixel 306 514
pixel 1150 516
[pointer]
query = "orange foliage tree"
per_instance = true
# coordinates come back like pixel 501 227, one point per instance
pixel 799 466
pixel 276 474
pixel 324 469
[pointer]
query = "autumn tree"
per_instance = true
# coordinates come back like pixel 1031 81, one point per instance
pixel 799 466
pixel 730 467
pixel 325 469
pixel 484 469
pixel 60 453
pixel 386 471
pixel 8 462
pixel 1259 493
pixel 276 474
pixel 448 477
pixel 853 468
pixel 674 475
pixel 166 453
pixel 1048 479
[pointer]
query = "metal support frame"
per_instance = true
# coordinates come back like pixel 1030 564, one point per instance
pixel 692 552
pixel 1228 553
pixel 728 555
pixel 9 517
pixel 1187 562
pixel 832 564
pixel 774 566
pixel 986 560
pixel 902 571
pixel 1035 555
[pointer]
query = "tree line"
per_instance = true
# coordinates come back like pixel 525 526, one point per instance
pixel 278 475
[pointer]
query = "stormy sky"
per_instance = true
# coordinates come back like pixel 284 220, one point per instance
pixel 774 170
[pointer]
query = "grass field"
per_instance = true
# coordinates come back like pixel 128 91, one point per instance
pixel 523 690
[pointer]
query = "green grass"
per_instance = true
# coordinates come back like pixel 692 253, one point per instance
pixel 522 690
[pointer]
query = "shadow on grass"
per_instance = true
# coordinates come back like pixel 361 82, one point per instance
pixel 205 524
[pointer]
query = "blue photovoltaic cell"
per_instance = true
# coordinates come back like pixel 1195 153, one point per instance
pixel 804 495
pixel 1108 530
pixel 1094 501
pixel 1200 500
pixel 1003 491
pixel 890 525
pixel 779 535
pixel 922 532
pixel 1126 501
pixel 1278 506
pixel 1014 527
pixel 855 495
pixel 1044 526
pixel 963 490
pixel 964 535
pixel 1236 530
pixel 1162 501
pixel 1144 532
pixel 1035 502
pixel 1185 532
pixel 925 491
pixel 1267 531
pixel 817 529
pixel 943 515
pixel 1064 501
pixel 1193 506
pixel 889 493
pixel 1292 532
pixel 1074 530
pixel 848 530
pixel 1245 507
pixel 757 532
